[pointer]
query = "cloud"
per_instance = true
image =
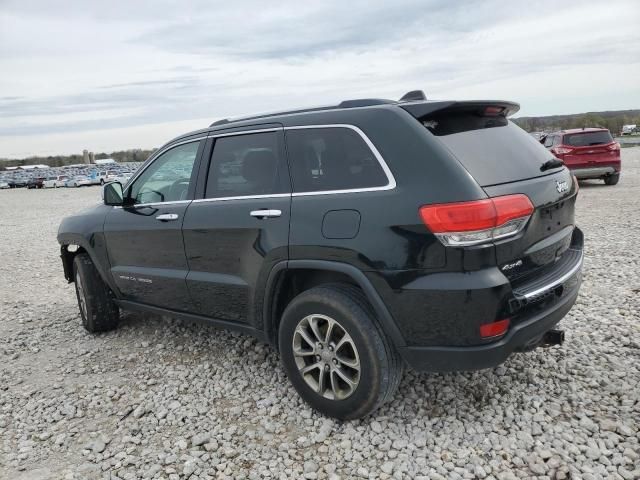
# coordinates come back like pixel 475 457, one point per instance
pixel 85 67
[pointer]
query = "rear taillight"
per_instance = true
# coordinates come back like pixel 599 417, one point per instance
pixel 561 150
pixel 494 329
pixel 613 146
pixel 471 223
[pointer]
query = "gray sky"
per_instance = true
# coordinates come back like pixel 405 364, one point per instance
pixel 124 74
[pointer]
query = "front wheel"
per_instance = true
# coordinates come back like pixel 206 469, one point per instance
pixel 335 353
pixel 98 311
pixel 612 179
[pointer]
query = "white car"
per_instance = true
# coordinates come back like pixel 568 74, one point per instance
pixel 55 182
pixel 79 181
pixel 123 177
pixel 108 176
pixel 3 185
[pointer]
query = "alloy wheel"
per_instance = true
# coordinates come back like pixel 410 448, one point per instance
pixel 326 357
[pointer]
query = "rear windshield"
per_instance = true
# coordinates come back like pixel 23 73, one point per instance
pixel 493 149
pixel 587 139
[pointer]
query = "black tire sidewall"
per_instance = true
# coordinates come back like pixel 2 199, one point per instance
pixel 102 313
pixel 371 351
pixel 612 179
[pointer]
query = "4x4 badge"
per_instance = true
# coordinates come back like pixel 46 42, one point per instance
pixel 562 186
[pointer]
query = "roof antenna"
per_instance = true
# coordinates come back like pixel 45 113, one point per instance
pixel 413 96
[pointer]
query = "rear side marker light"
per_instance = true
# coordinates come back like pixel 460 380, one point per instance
pixel 479 221
pixel 494 329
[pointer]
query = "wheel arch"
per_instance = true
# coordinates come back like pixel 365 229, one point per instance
pixel 277 296
pixel 72 245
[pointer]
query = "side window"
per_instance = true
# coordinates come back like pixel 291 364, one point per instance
pixel 548 142
pixel 167 179
pixel 335 158
pixel 245 165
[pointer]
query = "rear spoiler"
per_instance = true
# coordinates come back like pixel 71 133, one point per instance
pixel 423 109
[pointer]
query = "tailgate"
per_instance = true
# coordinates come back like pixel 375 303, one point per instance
pixel 591 155
pixel 548 233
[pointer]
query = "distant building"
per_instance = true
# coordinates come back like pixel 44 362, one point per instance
pixel 105 161
pixel 92 158
pixel 32 167
pixel 85 156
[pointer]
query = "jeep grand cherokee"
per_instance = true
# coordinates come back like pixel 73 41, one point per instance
pixel 357 239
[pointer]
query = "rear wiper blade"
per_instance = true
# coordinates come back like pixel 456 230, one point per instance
pixel 553 163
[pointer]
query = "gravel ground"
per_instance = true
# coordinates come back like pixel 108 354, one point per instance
pixel 162 399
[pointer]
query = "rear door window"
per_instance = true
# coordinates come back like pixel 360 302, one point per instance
pixel 493 149
pixel 246 165
pixel 332 158
pixel 588 139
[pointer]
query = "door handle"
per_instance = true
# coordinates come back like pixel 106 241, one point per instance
pixel 167 217
pixel 265 213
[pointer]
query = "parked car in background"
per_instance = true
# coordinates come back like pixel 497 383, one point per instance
pixel 109 176
pixel 55 182
pixel 35 182
pixel 537 135
pixel 123 177
pixel 79 181
pixel 19 182
pixel 587 152
pixel 629 129
pixel 4 185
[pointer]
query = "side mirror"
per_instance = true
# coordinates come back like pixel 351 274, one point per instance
pixel 112 194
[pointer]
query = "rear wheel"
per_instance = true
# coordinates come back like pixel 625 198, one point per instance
pixel 98 311
pixel 612 179
pixel 335 353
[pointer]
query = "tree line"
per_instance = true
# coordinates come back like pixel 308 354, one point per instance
pixel 135 155
pixel 612 120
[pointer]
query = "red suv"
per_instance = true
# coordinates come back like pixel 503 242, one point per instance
pixel 588 152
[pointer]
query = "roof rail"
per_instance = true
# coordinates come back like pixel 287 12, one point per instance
pixel 364 102
pixel 360 102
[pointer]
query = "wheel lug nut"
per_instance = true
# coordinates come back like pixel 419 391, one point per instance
pixel 335 362
pixel 326 367
pixel 318 358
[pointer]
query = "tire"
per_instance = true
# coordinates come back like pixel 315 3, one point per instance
pixel 380 366
pixel 612 179
pixel 99 312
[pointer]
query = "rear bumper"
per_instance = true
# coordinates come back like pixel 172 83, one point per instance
pixel 594 172
pixel 520 336
pixel 537 307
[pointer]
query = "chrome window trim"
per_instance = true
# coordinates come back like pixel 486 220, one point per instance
pixel 153 204
pixel 385 168
pixel 383 164
pixel 241 197
pixel 244 132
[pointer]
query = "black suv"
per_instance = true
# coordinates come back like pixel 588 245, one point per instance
pixel 356 238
